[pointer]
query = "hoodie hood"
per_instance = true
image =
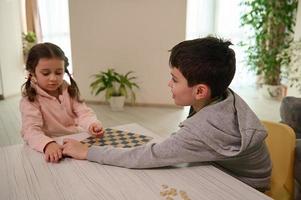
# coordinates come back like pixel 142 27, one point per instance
pixel 232 126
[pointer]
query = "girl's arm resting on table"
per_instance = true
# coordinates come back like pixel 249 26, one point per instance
pixel 32 123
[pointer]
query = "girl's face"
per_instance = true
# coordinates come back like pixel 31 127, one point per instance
pixel 181 92
pixel 49 74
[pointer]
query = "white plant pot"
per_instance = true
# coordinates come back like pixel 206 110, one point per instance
pixel 117 103
pixel 274 92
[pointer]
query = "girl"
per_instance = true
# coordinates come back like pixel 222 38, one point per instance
pixel 50 107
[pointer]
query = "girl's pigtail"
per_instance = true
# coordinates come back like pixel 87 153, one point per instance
pixel 73 88
pixel 28 91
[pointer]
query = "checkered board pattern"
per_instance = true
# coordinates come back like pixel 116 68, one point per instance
pixel 117 138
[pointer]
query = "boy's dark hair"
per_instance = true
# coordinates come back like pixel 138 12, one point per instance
pixel 207 61
pixel 46 50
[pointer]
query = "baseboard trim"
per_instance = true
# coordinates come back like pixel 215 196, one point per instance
pixel 138 104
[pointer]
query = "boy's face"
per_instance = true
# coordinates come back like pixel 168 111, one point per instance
pixel 181 92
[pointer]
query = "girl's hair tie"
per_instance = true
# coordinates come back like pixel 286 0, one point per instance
pixel 29 76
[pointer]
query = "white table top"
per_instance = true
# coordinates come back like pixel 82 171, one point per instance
pixel 24 174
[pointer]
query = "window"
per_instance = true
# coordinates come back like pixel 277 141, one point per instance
pixel 54 16
pixel 221 18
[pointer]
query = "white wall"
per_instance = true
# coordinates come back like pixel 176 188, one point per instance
pixel 11 60
pixel 126 35
pixel 297 36
pixel 298 23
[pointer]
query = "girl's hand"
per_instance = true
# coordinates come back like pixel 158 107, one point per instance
pixel 53 152
pixel 96 129
pixel 75 149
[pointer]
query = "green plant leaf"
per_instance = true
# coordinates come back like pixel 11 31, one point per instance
pixel 114 84
pixel 272 24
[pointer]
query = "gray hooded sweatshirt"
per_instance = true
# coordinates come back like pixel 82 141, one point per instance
pixel 226 133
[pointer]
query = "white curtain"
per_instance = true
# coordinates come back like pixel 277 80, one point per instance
pixel 200 19
pixel 54 16
pixel 221 18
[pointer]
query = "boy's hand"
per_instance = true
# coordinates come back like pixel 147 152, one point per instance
pixel 53 152
pixel 75 149
pixel 96 129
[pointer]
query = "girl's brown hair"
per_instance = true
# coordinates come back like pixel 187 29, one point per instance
pixel 46 50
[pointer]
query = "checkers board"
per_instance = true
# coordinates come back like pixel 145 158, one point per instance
pixel 117 138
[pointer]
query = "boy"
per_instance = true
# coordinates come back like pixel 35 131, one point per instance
pixel 222 129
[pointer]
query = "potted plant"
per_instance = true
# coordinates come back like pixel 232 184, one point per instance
pixel 117 87
pixel 291 61
pixel 271 24
pixel 28 40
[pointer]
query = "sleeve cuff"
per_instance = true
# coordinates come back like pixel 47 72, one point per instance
pixel 42 144
pixel 46 145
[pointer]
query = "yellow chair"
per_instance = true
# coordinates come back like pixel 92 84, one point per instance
pixel 281 143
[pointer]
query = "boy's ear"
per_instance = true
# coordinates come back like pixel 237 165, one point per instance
pixel 201 91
